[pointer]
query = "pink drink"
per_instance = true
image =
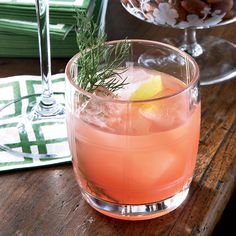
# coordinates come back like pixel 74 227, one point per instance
pixel 134 150
pixel 149 159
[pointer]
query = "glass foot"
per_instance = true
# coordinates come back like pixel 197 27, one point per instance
pixel 217 62
pixel 26 134
pixel 136 212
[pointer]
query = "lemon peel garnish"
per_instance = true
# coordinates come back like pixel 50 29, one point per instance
pixel 148 89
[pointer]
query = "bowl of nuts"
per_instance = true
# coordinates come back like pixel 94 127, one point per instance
pixel 215 56
pixel 183 13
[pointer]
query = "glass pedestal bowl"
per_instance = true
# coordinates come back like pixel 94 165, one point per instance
pixel 215 56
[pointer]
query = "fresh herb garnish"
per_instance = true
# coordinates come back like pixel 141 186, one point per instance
pixel 98 64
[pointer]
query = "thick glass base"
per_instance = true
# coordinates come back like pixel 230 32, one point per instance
pixel 217 60
pixel 25 133
pixel 136 212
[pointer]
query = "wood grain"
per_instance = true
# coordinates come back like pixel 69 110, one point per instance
pixel 47 201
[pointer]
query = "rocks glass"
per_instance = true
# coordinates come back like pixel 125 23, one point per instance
pixel 135 159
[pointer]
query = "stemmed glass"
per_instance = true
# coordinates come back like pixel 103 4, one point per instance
pixel 216 57
pixel 34 126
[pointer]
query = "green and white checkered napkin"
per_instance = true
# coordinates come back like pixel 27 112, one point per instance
pixel 12 88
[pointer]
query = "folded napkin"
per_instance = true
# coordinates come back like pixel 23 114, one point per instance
pixel 12 88
pixel 61 11
pixel 58 31
pixel 23 45
pixel 19 32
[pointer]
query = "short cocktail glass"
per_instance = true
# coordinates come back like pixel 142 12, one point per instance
pixel 134 158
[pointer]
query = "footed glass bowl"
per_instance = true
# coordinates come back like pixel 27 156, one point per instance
pixel 216 57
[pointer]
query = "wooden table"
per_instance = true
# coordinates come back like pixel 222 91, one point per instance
pixel 47 201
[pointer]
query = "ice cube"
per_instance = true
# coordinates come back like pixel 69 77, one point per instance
pixel 104 92
pixel 125 92
pixel 104 114
pixel 168 113
pixel 92 113
pixel 134 76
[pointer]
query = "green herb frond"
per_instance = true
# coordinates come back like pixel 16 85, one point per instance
pixel 99 64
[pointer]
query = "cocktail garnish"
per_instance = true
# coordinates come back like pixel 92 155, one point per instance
pixel 99 65
pixel 147 89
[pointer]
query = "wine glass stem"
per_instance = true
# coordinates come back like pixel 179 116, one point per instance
pixel 190 44
pixel 42 12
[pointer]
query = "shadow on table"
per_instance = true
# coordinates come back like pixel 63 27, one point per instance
pixel 191 218
pixel 226 223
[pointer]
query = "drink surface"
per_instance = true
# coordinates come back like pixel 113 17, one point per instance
pixel 136 153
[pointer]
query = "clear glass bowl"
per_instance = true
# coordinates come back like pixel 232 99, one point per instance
pixel 216 57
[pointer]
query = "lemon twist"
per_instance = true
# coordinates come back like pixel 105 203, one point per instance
pixel 148 89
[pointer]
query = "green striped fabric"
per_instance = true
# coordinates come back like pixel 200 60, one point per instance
pixel 61 11
pixel 20 45
pixel 57 32
pixel 15 87
pixel 18 27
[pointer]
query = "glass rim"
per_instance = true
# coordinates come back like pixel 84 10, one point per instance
pixel 115 100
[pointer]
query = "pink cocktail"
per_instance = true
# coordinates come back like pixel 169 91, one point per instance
pixel 134 150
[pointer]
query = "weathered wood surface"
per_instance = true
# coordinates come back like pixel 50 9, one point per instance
pixel 47 201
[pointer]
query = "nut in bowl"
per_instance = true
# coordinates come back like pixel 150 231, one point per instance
pixel 182 13
pixel 215 56
pixel 134 146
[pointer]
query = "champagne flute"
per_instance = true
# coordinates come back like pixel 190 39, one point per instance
pixel 38 131
pixel 47 106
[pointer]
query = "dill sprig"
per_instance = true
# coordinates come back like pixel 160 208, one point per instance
pixel 98 64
